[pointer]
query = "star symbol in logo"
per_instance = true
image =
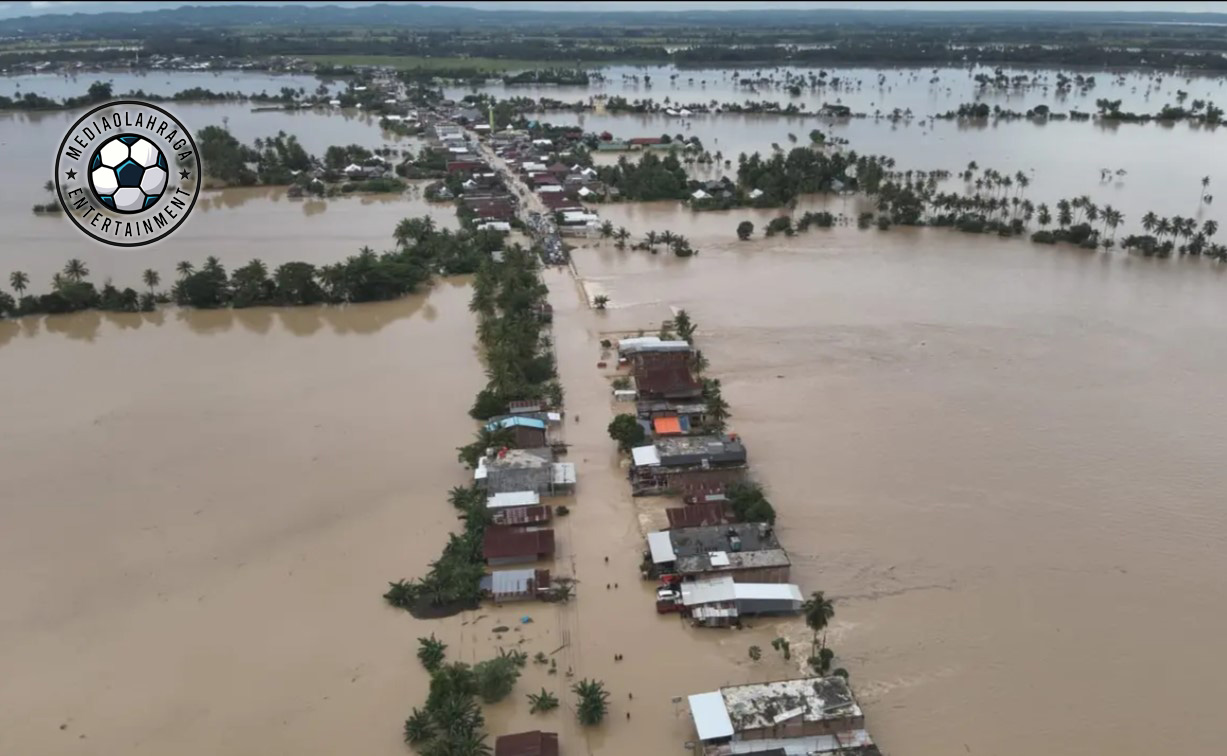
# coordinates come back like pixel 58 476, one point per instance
pixel 184 174
pixel 71 173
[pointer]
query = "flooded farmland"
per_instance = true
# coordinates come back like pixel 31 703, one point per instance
pixel 999 458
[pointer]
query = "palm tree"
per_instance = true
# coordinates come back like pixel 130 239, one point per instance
pixel 1150 221
pixel 418 727
pixel 58 281
pixel 75 270
pixel 607 229
pixel 818 612
pixel 543 701
pixel 1209 228
pixel 1045 217
pixel 593 701
pixel 19 282
pixel 1205 184
pixel 1163 227
pixel 431 652
pixel 151 278
pixel 651 238
pixel 185 268
pixel 212 264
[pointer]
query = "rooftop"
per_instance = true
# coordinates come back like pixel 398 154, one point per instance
pixel 738 538
pixel 502 543
pixel 729 561
pixel 534 743
pixel 698 515
pixel 813 699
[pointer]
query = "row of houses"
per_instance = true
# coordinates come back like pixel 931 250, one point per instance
pixel 710 568
pixel 515 481
pixel 561 185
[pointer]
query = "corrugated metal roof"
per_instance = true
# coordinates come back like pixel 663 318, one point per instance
pixel 711 591
pixel 711 718
pixel 767 591
pixel 661 547
pixel 516 422
pixel 645 456
pixel 513 499
pixel 504 582
pixel 564 473
pixel 501 542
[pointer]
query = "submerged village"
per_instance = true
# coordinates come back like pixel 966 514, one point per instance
pixel 709 543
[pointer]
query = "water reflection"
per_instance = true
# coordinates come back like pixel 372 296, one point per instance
pixel 368 318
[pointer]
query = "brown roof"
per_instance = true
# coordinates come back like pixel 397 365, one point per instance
pixel 667 382
pixel 695 515
pixel 644 140
pixel 523 515
pixel 660 359
pixel 559 167
pixel 535 743
pixel 501 542
pixel 699 482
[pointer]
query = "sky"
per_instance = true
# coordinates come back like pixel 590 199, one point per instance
pixel 10 9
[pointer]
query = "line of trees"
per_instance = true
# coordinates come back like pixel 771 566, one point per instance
pixel 421 251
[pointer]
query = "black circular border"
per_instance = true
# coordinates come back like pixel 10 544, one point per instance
pixel 94 189
pixel 170 116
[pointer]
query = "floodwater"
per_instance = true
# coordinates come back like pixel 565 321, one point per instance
pixel 1063 159
pixel 63 85
pixel 1001 459
pixel 233 224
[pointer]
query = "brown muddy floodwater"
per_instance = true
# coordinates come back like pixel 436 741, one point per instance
pixel 1003 460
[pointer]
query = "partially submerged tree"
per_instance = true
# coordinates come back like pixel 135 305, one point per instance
pixel 431 652
pixel 593 701
pixel 626 430
pixel 818 610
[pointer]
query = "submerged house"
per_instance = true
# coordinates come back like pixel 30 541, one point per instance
pixel 665 375
pixel 534 743
pixel 514 470
pixel 699 515
pixel 659 467
pixel 516 585
pixel 527 432
pixel 503 545
pixel 748 552
pixel 815 715
pixel 722 602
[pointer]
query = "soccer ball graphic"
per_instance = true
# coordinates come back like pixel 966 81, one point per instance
pixel 128 173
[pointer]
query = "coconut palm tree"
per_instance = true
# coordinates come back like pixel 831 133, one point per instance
pixel 184 268
pixel 1045 217
pixel 1150 221
pixel 151 278
pixel 1205 184
pixel 212 264
pixel 1209 228
pixel 651 238
pixel 818 610
pixel 75 270
pixel 19 281
pixel 607 229
pixel 1163 227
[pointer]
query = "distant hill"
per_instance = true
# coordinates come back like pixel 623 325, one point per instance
pixel 442 17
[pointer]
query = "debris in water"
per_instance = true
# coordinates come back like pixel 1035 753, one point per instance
pixel 501 629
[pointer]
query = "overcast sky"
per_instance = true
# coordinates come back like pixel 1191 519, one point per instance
pixel 12 9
